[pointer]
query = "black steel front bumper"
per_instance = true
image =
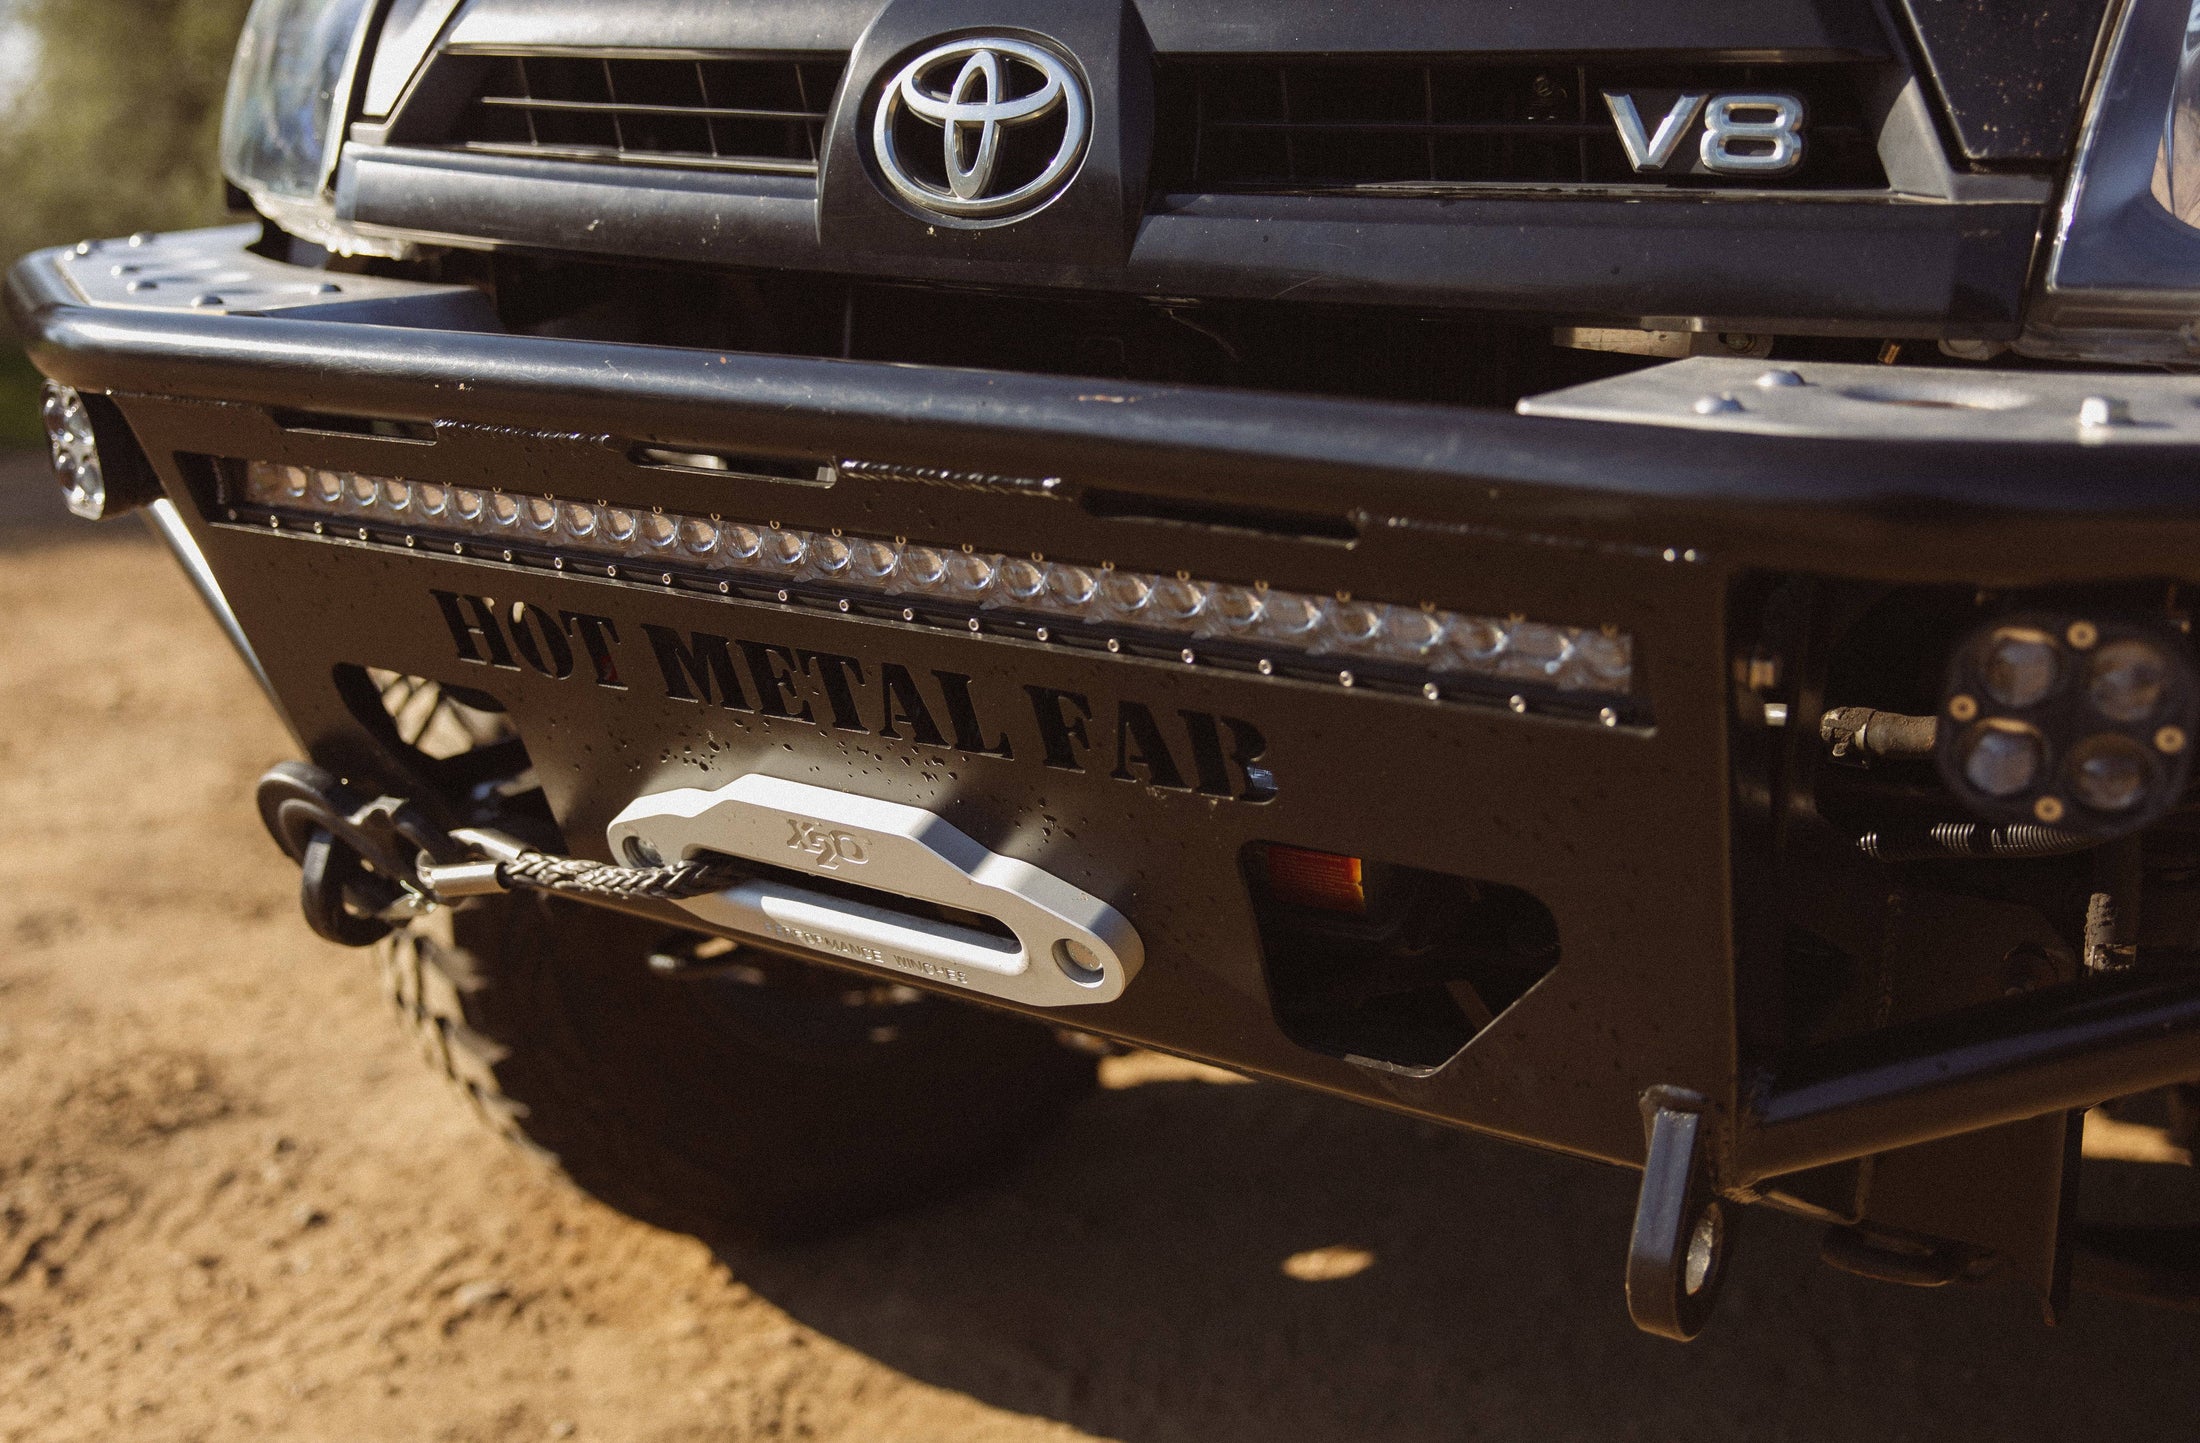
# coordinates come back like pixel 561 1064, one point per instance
pixel 1636 836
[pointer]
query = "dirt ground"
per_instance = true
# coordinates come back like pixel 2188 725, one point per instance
pixel 233 1205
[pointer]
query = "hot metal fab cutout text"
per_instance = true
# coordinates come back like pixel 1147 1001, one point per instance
pixel 1130 741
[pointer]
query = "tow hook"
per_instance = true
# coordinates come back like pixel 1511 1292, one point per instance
pixel 1676 1261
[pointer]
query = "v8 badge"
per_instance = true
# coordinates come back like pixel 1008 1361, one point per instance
pixel 1745 135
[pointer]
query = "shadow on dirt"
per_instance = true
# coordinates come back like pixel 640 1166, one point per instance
pixel 31 512
pixel 1129 1280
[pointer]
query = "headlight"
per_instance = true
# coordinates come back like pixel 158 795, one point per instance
pixel 2177 173
pixel 2123 284
pixel 289 99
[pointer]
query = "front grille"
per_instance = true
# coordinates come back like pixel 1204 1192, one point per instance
pixel 1321 125
pixel 733 114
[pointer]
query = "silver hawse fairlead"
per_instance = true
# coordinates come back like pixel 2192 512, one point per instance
pixel 978 94
pixel 1024 936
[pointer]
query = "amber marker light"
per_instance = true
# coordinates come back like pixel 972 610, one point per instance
pixel 1321 881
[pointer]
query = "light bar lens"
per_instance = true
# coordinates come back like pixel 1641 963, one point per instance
pixel 2023 666
pixel 2003 758
pixel 2129 678
pixel 2111 773
pixel 1258 618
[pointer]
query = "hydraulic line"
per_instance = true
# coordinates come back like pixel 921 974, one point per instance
pixel 1862 732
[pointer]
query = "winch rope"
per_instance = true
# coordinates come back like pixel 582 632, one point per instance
pixel 574 877
pixel 367 866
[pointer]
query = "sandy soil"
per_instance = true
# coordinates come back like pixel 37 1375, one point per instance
pixel 233 1205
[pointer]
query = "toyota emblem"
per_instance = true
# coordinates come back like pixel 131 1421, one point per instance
pixel 982 132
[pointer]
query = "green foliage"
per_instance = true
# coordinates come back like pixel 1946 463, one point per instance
pixel 116 133
pixel 20 386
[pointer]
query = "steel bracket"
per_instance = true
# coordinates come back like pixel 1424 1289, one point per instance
pixel 1676 1261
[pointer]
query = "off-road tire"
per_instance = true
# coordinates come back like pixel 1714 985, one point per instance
pixel 773 1101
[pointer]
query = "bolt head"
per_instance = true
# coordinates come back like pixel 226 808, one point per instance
pixel 2099 411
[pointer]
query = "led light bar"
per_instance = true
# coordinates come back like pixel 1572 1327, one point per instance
pixel 1343 635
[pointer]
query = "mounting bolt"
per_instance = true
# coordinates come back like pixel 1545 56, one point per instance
pixel 2099 411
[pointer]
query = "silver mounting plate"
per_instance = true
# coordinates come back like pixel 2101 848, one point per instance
pixel 1070 949
pixel 1890 403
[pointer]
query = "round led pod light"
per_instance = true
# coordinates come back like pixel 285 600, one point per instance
pixel 103 471
pixel 2080 722
pixel 76 461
